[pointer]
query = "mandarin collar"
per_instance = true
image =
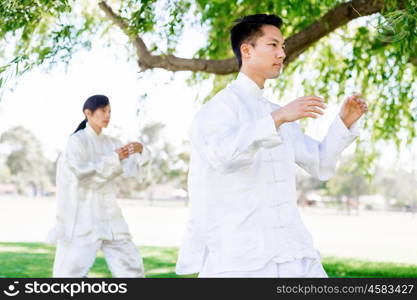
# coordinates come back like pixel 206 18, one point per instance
pixel 247 84
pixel 90 131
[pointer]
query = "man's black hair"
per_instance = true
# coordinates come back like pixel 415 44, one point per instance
pixel 248 29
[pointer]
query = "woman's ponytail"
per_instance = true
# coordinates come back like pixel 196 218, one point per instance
pixel 82 125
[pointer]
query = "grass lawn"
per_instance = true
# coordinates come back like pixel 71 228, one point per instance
pixel 36 259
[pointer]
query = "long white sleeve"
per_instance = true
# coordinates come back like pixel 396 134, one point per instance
pixel 101 169
pixel 319 158
pixel 133 165
pixel 226 143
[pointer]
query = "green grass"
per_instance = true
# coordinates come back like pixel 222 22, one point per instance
pixel 343 267
pixel 36 259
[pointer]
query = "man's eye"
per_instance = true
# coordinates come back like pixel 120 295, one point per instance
pixel 273 45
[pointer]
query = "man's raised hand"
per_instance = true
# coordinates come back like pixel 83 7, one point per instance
pixel 303 107
pixel 352 109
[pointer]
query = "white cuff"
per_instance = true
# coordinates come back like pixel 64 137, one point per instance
pixel 340 128
pixel 269 135
pixel 143 157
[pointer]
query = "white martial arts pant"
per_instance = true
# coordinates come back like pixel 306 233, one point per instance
pixel 75 260
pixel 305 267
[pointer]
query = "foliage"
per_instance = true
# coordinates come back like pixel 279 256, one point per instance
pixel 374 55
pixel 348 181
pixel 42 31
pixel 166 165
pixel 398 186
pixel 26 163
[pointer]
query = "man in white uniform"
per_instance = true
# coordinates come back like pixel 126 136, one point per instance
pixel 244 219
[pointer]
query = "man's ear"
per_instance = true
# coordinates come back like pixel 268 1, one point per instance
pixel 245 50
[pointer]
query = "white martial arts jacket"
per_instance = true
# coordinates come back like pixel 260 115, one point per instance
pixel 87 210
pixel 241 182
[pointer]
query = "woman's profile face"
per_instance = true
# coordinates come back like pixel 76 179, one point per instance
pixel 100 117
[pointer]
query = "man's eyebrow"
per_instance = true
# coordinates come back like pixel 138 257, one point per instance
pixel 278 41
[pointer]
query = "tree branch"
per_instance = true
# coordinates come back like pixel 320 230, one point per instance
pixel 335 18
pixel 169 62
pixel 295 45
pixel 140 46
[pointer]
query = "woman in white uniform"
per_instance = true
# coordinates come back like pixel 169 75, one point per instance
pixel 88 216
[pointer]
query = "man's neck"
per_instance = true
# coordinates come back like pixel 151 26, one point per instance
pixel 259 80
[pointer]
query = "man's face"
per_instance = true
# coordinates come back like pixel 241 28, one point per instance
pixel 265 56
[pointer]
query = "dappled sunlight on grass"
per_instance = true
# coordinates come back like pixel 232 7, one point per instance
pixel 345 267
pixel 36 260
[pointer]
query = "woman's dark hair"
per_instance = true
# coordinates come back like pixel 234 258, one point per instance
pixel 248 29
pixel 93 103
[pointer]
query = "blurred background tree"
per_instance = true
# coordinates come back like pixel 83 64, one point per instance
pixel 167 166
pixel 398 187
pixel 25 164
pixel 348 184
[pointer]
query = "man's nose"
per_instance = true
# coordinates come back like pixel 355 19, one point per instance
pixel 281 54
